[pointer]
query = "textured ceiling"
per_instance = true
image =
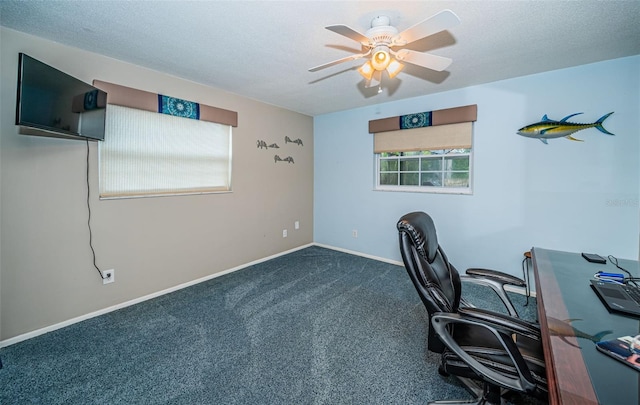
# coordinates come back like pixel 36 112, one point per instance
pixel 263 49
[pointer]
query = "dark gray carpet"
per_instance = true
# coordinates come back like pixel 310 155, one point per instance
pixel 312 327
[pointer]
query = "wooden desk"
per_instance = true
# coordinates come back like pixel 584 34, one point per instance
pixel 572 318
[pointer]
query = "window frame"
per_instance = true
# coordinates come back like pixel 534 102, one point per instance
pixel 419 188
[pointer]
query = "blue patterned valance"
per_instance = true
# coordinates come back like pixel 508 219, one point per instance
pixel 447 116
pixel 416 120
pixel 178 107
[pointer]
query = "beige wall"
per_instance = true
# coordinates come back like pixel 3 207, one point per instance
pixel 46 270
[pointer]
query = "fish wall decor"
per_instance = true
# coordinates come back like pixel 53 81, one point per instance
pixel 549 129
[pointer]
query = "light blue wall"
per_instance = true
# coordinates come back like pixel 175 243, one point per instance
pixel 574 196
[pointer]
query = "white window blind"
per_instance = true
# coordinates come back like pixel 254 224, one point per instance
pixel 150 154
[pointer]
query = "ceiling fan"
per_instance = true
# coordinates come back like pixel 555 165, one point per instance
pixel 379 40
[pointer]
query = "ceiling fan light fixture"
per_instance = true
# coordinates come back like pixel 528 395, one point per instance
pixel 380 45
pixel 394 68
pixel 366 70
pixel 381 57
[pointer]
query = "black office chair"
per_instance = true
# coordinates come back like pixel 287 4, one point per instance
pixel 500 352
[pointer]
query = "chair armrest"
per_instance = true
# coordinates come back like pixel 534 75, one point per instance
pixel 523 383
pixel 496 275
pixel 496 280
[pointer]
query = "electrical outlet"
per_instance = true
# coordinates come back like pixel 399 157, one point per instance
pixel 296 224
pixel 354 233
pixel 108 276
pixel 284 233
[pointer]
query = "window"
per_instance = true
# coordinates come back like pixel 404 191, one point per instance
pixel 428 159
pixel 149 154
pixel 428 170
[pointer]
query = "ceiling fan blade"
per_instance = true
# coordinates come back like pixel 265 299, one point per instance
pixel 335 62
pixel 349 33
pixel 426 60
pixel 434 24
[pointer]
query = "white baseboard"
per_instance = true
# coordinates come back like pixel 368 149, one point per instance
pixel 356 253
pixel 51 328
pixel 519 290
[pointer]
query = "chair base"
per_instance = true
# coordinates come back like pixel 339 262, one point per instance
pixel 484 393
pixel 477 401
pixel 454 402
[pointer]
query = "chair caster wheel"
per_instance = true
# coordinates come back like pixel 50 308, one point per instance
pixel 442 372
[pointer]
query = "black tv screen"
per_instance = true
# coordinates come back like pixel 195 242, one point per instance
pixel 53 103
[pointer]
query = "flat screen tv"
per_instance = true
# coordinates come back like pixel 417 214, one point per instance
pixel 55 104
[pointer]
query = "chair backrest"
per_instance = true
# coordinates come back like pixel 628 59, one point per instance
pixel 436 280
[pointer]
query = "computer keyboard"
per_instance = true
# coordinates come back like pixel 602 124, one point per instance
pixel 633 291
